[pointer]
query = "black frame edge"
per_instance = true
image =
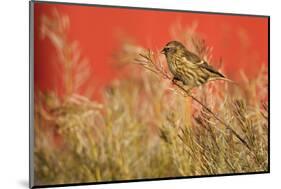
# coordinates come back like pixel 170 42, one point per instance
pixel 268 137
pixel 31 93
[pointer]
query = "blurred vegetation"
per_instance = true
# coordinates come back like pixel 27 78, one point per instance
pixel 145 127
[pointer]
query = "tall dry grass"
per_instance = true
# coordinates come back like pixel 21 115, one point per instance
pixel 146 126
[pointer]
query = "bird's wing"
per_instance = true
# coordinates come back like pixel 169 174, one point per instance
pixel 210 69
pixel 192 57
pixel 196 60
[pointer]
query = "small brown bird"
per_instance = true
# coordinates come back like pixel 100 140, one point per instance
pixel 187 67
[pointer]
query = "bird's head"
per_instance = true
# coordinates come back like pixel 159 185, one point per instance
pixel 173 47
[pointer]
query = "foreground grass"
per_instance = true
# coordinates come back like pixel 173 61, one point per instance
pixel 141 130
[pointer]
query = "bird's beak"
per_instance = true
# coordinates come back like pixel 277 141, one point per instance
pixel 163 51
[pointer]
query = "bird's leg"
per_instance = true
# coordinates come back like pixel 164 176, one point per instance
pixel 177 81
pixel 182 85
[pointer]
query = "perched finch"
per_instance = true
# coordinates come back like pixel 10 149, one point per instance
pixel 187 67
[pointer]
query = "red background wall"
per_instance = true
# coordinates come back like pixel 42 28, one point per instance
pixel 95 29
